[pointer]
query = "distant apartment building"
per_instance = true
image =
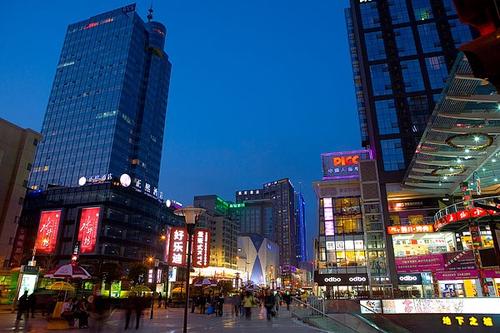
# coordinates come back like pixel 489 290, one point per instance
pixel 220 219
pixel 17 151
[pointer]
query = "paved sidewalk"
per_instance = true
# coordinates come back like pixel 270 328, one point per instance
pixel 170 321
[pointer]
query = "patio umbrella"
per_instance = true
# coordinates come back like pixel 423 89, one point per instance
pixel 61 286
pixel 68 271
pixel 204 282
pixel 140 289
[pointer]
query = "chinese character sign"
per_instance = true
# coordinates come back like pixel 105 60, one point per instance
pixel 178 246
pixel 46 238
pixel 343 164
pixel 201 248
pixel 87 233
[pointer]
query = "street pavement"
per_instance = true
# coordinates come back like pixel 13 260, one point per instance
pixel 170 321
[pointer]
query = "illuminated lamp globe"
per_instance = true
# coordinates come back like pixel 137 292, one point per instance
pixel 82 181
pixel 190 213
pixel 125 180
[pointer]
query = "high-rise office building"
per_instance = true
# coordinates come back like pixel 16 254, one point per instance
pixel 106 111
pixel 282 196
pixel 300 223
pixel 256 217
pixel 402 51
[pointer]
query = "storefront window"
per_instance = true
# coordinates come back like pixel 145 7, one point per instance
pixel 395 220
pixel 420 244
pixel 486 239
pixel 415 219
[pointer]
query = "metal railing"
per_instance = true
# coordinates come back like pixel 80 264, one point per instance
pixel 314 313
pixel 459 206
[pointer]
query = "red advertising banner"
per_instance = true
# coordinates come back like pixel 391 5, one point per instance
pixel 87 233
pixel 409 229
pixel 201 248
pixel 178 246
pixel 462 215
pixel 46 238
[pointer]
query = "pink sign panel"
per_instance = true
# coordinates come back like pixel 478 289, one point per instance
pixel 457 275
pixel 422 263
pixel 491 273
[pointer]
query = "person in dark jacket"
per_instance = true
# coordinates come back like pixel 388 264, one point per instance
pixel 32 304
pixel 23 306
pixel 269 302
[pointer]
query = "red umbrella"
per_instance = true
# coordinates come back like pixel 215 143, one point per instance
pixel 68 271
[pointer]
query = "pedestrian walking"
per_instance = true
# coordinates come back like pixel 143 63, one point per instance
pixel 236 302
pixel 248 303
pixel 139 307
pixel 129 307
pixel 219 305
pixel 288 299
pixel 23 306
pixel 194 303
pixel 159 300
pixel 269 303
pixel 202 303
pixel 32 304
pixel 277 301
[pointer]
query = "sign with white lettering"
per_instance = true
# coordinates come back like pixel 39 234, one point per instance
pixel 341 279
pixel 178 246
pixel 201 248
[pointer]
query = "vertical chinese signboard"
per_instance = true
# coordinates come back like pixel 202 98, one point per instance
pixel 178 246
pixel 167 244
pixel 201 248
pixel 87 233
pixel 48 228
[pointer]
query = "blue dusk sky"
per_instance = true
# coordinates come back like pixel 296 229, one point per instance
pixel 259 89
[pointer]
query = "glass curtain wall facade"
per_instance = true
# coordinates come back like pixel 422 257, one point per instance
pixel 401 52
pixel 107 107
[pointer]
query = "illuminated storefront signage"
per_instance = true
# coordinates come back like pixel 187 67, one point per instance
pixel 461 216
pixel 437 262
pixel 341 279
pixel 345 245
pixel 201 248
pixel 471 321
pixel 342 165
pixel 409 279
pixel 442 305
pixel 87 232
pixel 48 228
pixel 178 246
pixel 409 229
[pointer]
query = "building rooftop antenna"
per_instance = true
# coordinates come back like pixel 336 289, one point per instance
pixel 150 13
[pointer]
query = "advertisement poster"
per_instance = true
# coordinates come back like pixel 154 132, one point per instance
pixel 28 282
pixel 87 232
pixel 48 228
pixel 451 261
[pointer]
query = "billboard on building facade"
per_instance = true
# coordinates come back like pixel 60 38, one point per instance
pixel 343 165
pixel 87 231
pixel 46 239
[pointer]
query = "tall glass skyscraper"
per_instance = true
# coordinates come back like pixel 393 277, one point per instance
pixel 401 53
pixel 106 111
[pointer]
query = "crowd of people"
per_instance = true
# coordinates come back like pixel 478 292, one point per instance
pixel 77 310
pixel 241 303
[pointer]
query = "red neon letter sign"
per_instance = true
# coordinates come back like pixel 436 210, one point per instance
pixel 87 233
pixel 46 238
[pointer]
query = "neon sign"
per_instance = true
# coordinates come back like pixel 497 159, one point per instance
pixel 343 165
pixel 87 233
pixel 462 215
pixel 178 241
pixel 46 238
pixel 409 229
pixel 201 246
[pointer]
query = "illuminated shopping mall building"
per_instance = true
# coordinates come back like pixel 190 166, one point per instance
pixel 352 250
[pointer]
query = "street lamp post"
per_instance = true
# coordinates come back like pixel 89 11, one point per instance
pixel 191 215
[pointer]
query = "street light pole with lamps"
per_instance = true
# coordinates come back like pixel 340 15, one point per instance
pixel 191 215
